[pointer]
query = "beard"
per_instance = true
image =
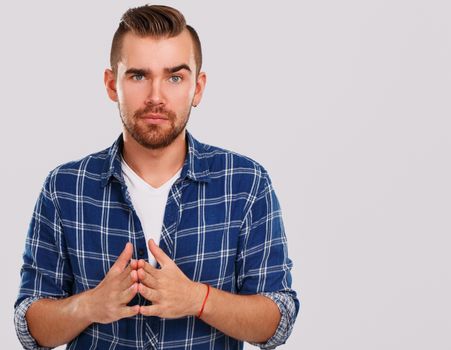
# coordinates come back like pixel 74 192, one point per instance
pixel 154 136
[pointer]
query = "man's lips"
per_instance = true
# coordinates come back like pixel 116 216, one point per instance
pixel 154 116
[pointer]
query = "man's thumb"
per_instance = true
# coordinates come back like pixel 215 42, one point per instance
pixel 125 257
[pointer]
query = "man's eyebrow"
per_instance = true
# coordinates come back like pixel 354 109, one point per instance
pixel 142 71
pixel 177 68
pixel 137 71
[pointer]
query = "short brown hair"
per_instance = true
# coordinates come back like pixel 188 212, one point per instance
pixel 155 21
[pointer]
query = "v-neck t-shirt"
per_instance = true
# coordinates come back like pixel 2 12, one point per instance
pixel 149 203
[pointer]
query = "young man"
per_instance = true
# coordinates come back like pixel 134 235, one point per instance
pixel 93 274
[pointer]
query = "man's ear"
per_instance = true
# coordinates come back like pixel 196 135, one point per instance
pixel 200 87
pixel 109 79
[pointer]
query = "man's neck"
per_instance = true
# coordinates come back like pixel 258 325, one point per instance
pixel 155 166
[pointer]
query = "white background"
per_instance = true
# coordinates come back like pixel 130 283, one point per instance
pixel 346 103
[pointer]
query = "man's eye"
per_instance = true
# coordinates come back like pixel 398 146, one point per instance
pixel 138 77
pixel 175 79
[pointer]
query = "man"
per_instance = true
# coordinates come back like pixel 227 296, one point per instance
pixel 93 275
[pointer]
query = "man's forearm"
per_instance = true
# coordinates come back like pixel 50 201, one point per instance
pixel 251 318
pixel 54 322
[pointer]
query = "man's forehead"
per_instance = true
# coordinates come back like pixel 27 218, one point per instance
pixel 157 51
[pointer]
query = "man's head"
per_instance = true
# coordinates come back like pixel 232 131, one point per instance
pixel 155 21
pixel 155 72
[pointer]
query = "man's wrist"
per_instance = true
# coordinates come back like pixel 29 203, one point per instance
pixel 199 293
pixel 83 308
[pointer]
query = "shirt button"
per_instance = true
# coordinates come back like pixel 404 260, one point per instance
pixel 141 252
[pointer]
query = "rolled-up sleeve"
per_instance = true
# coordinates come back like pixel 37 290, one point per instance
pixel 24 335
pixel 263 263
pixel 46 271
pixel 288 311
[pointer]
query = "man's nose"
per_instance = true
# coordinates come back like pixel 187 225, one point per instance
pixel 155 93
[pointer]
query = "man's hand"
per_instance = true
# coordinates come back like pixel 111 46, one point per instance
pixel 172 294
pixel 107 302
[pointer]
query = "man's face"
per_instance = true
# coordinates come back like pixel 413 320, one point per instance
pixel 156 78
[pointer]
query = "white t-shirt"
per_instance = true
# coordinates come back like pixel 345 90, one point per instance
pixel 149 203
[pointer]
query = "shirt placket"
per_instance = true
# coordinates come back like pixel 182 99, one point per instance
pixel 152 324
pixel 150 335
pixel 168 241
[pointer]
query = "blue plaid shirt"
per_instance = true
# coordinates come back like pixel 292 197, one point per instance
pixel 222 226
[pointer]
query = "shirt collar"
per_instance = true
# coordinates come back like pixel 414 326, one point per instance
pixel 195 166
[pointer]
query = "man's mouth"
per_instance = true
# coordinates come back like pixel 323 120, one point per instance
pixel 154 116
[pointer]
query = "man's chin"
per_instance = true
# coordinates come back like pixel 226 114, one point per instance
pixel 154 146
pixel 155 142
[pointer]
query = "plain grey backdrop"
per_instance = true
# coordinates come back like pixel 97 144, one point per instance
pixel 346 103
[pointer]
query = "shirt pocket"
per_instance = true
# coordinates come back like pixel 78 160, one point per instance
pixel 92 253
pixel 208 253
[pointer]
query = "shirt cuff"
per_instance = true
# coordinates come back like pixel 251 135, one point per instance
pixel 287 310
pixel 20 322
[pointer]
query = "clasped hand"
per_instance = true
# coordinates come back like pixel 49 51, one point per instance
pixel 171 292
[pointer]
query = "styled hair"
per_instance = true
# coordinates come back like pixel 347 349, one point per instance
pixel 157 21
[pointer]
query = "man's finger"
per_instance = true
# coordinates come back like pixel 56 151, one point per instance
pixel 147 293
pixel 146 279
pixel 150 310
pixel 126 272
pixel 130 278
pixel 125 257
pixel 133 264
pixel 153 271
pixel 158 253
pixel 129 293
pixel 129 311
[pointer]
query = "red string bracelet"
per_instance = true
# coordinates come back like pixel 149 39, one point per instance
pixel 205 300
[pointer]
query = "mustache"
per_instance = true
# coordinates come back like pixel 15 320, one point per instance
pixel 153 109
